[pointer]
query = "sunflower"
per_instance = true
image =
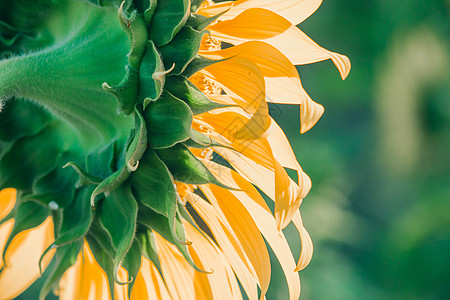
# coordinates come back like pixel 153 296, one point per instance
pixel 134 138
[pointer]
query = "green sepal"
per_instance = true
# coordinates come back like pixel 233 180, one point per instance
pixel 187 216
pixel 151 75
pixel 135 27
pixel 99 163
pixel 199 63
pixel 148 13
pixel 182 49
pixel 138 144
pixel 168 18
pixel 201 141
pixel 200 22
pixel 152 184
pixel 55 189
pixel 149 249
pixel 159 223
pixel 64 258
pixel 100 244
pixel 117 215
pixel 27 215
pixel 195 4
pixel 29 159
pixel 84 178
pixel 132 263
pixel 76 218
pixel 133 154
pixel 183 89
pixel 185 167
pixel 12 116
pixel 126 91
pixel 168 121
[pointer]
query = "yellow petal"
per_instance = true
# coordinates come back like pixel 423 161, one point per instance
pixel 281 78
pixel 209 257
pixel 245 229
pixel 7 201
pixel 294 10
pixel 22 259
pixel 230 245
pixel 307 245
pixel 264 25
pixel 86 280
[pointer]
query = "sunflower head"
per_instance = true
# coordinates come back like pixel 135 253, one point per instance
pixel 132 136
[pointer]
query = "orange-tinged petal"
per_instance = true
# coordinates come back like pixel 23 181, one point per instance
pixel 149 284
pixel 291 41
pixel 183 282
pixel 245 229
pixel 7 201
pixel 287 197
pixel 294 10
pixel 251 24
pixel 241 79
pixel 209 257
pixel 281 78
pixel 22 259
pixel 307 245
pixel 230 245
pixel 86 280
pixel 240 204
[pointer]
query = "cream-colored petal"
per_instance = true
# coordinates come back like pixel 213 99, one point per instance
pixel 230 245
pixel 86 280
pixel 22 259
pixel 209 257
pixel 281 78
pixel 149 284
pixel 179 275
pixel 245 229
pixel 7 201
pixel 293 10
pixel 307 244
pixel 240 204
pixel 264 25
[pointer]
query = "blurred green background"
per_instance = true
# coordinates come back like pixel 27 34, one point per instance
pixel 379 159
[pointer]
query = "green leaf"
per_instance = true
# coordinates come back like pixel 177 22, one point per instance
pixel 27 215
pixel 183 89
pixel 151 77
pixel 201 141
pixel 195 4
pixel 185 167
pixel 148 14
pixel 152 184
pixel 84 177
pixel 182 49
pixel 30 158
pixel 168 18
pixel 76 218
pixel 168 121
pixel 64 258
pixel 117 215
